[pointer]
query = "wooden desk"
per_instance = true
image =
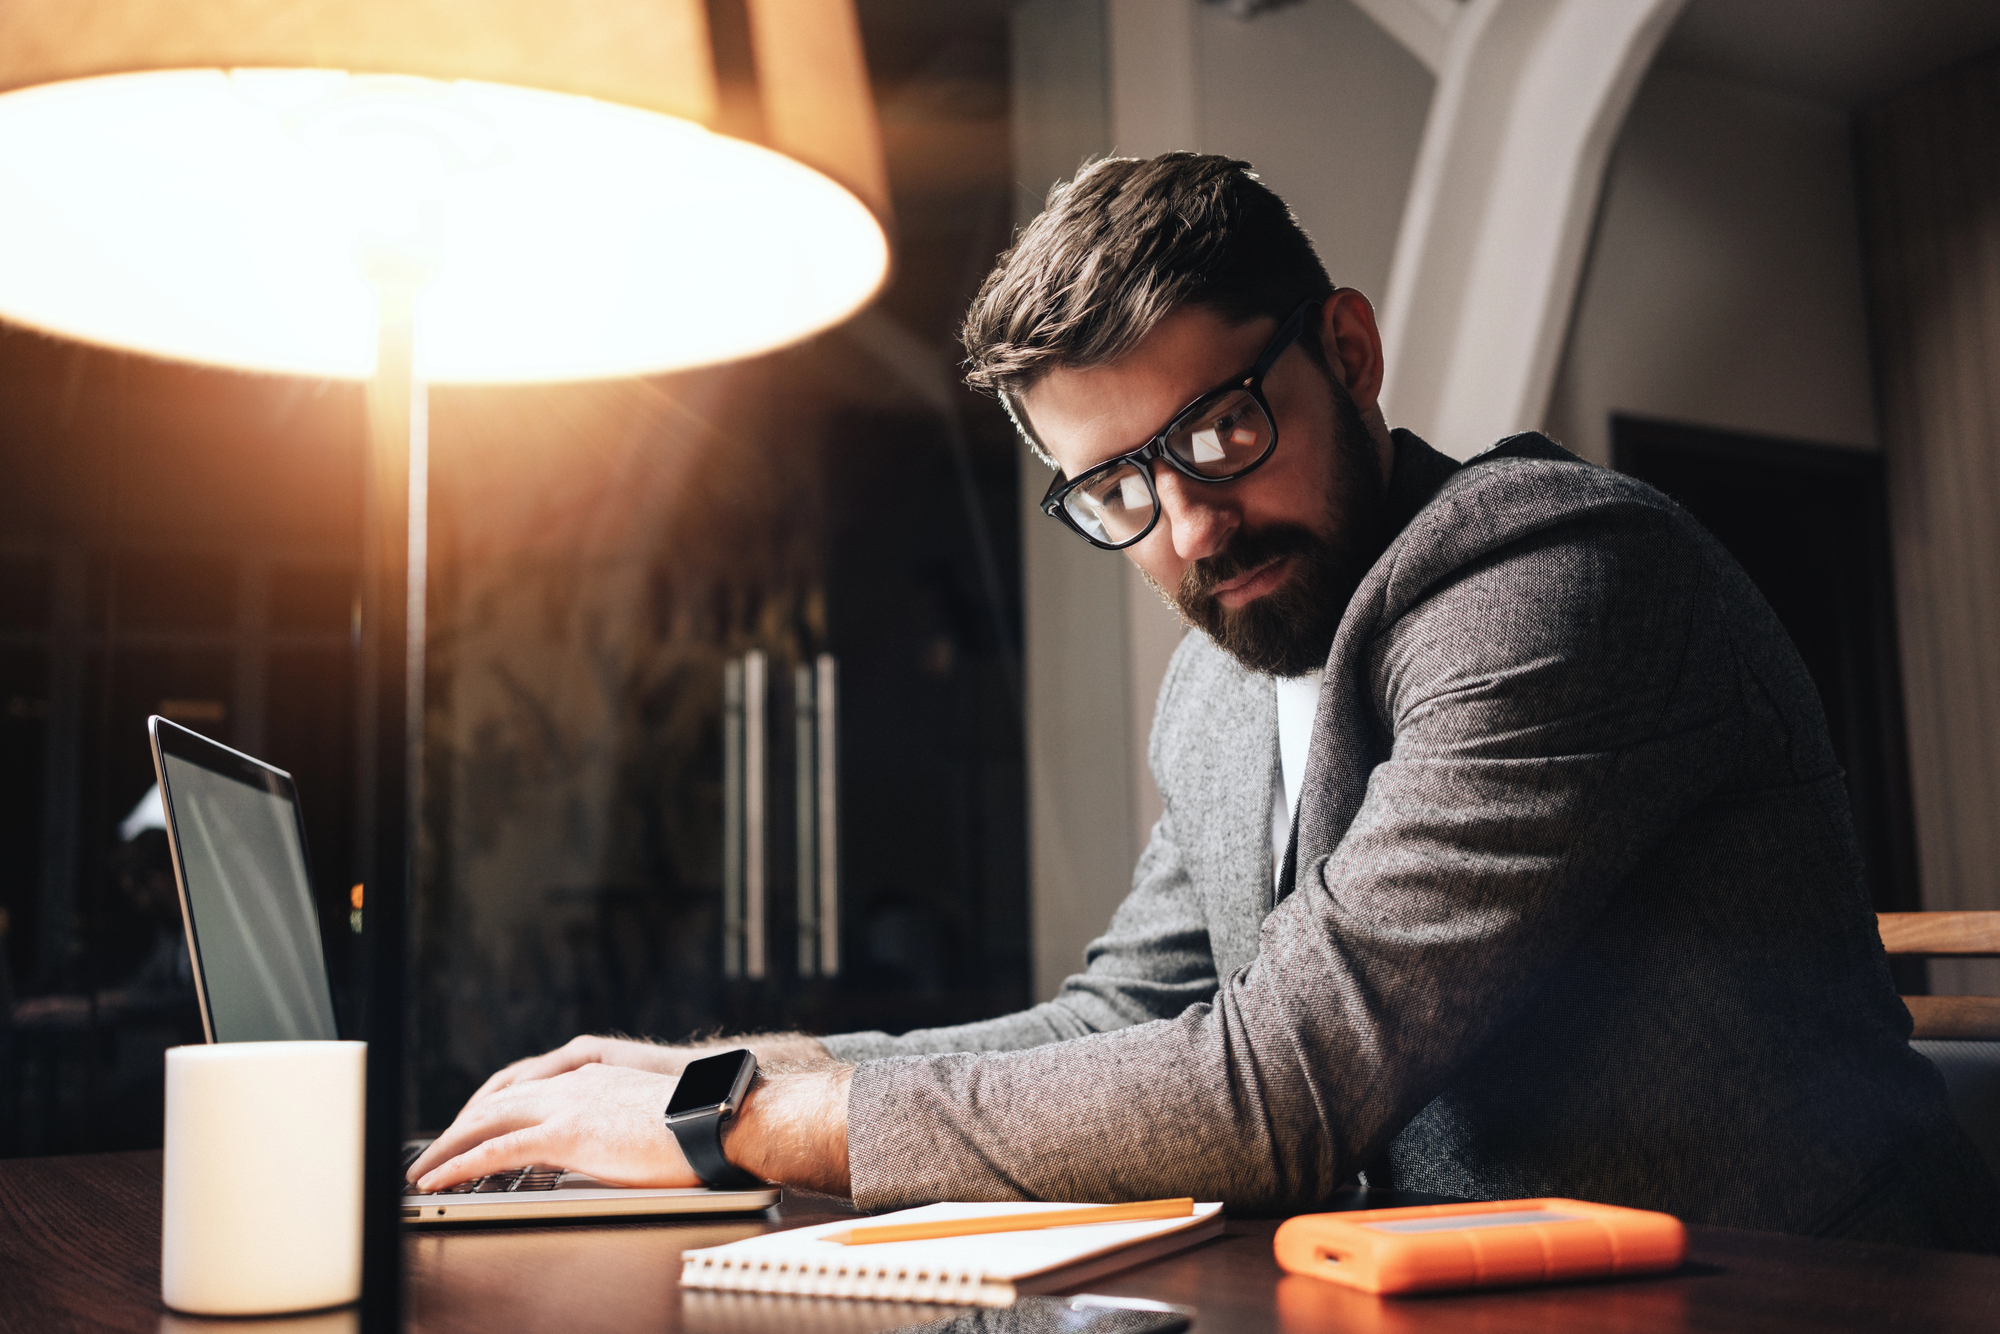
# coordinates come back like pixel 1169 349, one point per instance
pixel 80 1242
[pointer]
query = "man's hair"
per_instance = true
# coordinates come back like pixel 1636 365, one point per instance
pixel 1118 249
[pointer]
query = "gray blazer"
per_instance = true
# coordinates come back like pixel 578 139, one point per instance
pixel 1572 907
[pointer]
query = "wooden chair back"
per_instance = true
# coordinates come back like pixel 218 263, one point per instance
pixel 1947 935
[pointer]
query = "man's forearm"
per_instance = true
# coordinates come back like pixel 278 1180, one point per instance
pixel 776 1049
pixel 793 1128
pixel 770 1049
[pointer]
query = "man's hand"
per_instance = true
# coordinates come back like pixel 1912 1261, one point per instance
pixel 587 1050
pixel 598 1106
pixel 661 1060
pixel 603 1120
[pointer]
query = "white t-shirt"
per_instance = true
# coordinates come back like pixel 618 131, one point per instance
pixel 1298 701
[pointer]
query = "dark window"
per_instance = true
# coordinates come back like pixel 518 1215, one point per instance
pixel 313 598
pixel 171 590
pixel 26 593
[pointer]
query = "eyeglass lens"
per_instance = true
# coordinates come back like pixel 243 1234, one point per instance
pixel 1113 507
pixel 1220 438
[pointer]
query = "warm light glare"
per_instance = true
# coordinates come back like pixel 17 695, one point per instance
pixel 229 217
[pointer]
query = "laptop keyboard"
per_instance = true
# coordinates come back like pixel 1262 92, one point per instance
pixel 511 1182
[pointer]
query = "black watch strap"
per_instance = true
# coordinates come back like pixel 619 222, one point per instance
pixel 701 1141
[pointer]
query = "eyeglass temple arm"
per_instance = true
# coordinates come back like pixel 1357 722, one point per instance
pixel 1287 333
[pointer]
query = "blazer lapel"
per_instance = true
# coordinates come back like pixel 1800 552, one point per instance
pixel 1219 751
pixel 1244 893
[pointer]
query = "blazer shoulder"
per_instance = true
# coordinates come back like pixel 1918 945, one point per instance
pixel 1527 482
pixel 1522 486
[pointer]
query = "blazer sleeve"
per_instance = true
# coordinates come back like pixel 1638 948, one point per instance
pixel 1152 963
pixel 1553 713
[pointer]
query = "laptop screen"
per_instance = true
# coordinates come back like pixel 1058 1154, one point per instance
pixel 235 829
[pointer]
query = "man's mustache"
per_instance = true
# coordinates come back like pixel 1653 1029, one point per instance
pixel 1245 552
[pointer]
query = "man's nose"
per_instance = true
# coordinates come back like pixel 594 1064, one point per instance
pixel 1200 519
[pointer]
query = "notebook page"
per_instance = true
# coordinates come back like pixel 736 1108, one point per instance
pixel 993 1257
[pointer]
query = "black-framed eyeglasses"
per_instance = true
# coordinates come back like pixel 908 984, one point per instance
pixel 1222 435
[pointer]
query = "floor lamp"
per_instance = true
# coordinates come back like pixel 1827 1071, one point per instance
pixel 410 192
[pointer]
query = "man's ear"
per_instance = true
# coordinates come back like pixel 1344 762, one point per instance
pixel 1353 345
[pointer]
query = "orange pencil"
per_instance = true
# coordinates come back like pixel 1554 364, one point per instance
pixel 864 1235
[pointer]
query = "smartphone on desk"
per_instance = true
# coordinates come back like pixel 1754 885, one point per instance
pixel 1084 1314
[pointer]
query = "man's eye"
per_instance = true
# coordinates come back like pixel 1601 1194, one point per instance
pixel 1236 428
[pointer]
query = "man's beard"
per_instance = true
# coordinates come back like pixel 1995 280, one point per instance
pixel 1289 631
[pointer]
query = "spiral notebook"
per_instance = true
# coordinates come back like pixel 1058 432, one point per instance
pixel 990 1269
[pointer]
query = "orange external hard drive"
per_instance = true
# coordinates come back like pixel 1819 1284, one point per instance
pixel 1435 1246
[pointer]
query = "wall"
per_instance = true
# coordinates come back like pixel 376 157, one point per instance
pixel 1074 650
pixel 1330 110
pixel 1724 285
pixel 1933 195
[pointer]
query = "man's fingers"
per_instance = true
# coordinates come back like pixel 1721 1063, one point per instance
pixel 507 1111
pixel 518 1148
pixel 436 1152
pixel 496 1081
pixel 506 1077
pixel 572 1054
pixel 519 1072
pixel 599 1119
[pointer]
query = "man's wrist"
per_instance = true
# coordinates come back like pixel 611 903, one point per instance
pixel 785 1049
pixel 792 1128
pixel 770 1049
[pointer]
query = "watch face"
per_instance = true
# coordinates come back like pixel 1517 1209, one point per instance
pixel 707 1082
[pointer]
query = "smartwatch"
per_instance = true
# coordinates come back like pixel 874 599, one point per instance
pixel 710 1092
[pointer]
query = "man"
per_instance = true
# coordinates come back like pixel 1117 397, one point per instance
pixel 1565 901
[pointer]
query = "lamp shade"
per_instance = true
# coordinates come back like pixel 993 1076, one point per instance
pixel 583 187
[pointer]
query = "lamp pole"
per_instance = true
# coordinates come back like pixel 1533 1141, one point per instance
pixel 391 708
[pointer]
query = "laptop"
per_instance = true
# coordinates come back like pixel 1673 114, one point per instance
pixel 239 851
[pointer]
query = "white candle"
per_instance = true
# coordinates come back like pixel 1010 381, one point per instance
pixel 262 1197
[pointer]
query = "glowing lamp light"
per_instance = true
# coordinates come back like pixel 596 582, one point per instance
pixel 231 218
pixel 545 174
